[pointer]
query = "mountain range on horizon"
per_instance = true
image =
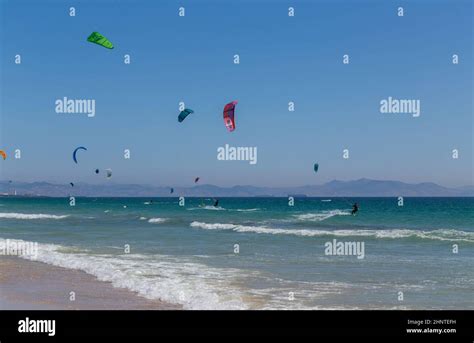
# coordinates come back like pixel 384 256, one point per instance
pixel 355 188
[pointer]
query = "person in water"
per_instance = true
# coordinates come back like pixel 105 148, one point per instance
pixel 355 209
pixel 216 202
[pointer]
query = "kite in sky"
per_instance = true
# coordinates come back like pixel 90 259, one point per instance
pixel 97 38
pixel 184 113
pixel 3 154
pixel 316 167
pixel 74 154
pixel 229 116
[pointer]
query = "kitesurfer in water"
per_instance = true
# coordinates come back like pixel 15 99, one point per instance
pixel 216 202
pixel 355 208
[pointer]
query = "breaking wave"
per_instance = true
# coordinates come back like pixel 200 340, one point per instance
pixel 31 216
pixel 443 235
pixel 323 215
pixel 173 280
pixel 157 220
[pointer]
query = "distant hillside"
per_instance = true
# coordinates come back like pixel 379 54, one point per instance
pixel 356 188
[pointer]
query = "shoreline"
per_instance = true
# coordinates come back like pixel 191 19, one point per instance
pixel 26 285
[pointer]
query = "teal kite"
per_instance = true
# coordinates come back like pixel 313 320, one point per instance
pixel 316 167
pixel 97 38
pixel 184 113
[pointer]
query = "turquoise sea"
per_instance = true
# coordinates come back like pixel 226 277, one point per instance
pixel 259 253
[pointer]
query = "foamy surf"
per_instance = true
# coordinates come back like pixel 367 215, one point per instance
pixel 443 235
pixel 208 207
pixel 184 282
pixel 157 220
pixel 218 208
pixel 31 216
pixel 320 216
pixel 173 280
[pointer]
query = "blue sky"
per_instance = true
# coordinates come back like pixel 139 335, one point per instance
pixel 282 59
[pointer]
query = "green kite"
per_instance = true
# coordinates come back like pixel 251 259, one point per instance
pixel 97 38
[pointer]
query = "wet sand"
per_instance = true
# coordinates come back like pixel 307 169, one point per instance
pixel 30 285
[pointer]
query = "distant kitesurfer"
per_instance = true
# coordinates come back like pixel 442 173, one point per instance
pixel 216 202
pixel 355 209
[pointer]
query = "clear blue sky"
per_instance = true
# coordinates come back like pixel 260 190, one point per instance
pixel 283 59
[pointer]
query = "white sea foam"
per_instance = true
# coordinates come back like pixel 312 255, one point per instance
pixel 142 218
pixel 184 282
pixel 320 216
pixel 443 235
pixel 218 208
pixel 207 207
pixel 178 281
pixel 157 220
pixel 31 216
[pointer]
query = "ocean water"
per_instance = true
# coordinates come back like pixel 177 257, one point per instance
pixel 186 255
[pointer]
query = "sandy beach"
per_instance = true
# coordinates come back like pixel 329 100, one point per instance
pixel 31 285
